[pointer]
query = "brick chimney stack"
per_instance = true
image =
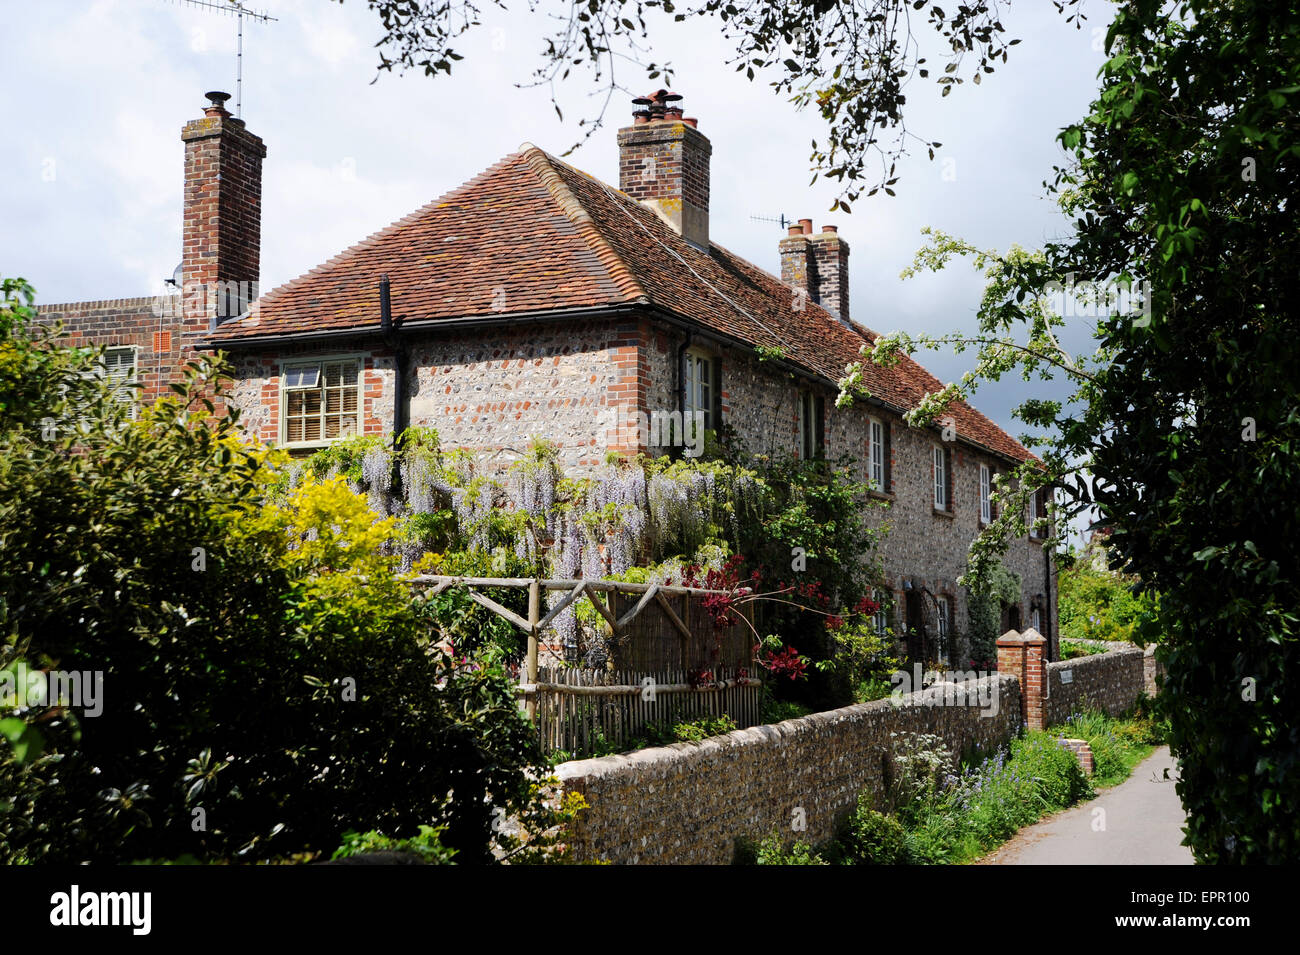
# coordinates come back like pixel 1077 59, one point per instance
pixel 818 264
pixel 222 230
pixel 664 163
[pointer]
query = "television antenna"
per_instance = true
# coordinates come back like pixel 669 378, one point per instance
pixel 236 9
pixel 780 220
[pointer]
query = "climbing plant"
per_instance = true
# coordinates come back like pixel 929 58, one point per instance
pixel 984 608
pixel 795 531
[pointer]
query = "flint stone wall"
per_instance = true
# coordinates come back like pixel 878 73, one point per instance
pixel 689 803
pixel 930 548
pixel 1110 682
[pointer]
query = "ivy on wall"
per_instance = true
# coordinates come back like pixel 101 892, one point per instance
pixel 984 605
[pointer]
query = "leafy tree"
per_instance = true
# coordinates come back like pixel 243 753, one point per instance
pixel 1183 428
pixel 1100 604
pixel 851 60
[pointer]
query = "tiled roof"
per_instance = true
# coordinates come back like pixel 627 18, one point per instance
pixel 533 234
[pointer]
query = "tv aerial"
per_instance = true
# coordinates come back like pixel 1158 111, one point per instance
pixel 236 9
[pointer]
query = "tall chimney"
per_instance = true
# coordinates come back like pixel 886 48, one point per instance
pixel 664 163
pixel 222 231
pixel 818 264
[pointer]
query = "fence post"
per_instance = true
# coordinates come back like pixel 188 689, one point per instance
pixel 1021 655
pixel 534 616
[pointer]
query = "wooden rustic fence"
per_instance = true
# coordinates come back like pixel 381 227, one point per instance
pixel 581 709
pixel 667 661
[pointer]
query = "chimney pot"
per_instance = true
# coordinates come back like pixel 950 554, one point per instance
pixel 691 121
pixel 820 266
pixel 216 103
pixel 666 164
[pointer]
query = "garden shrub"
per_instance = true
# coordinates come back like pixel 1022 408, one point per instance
pixel 692 731
pixel 777 711
pixel 426 846
pixel 873 838
pixel 1117 744
pixel 1056 778
pixel 1100 604
pixel 984 609
pixel 920 768
pixel 268 680
pixel 1071 649
pixel 772 851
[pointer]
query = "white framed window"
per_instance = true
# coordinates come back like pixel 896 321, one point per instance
pixel 880 619
pixel 945 617
pixel 320 400
pixel 1036 619
pixel 986 494
pixel 120 371
pixel 1033 514
pixel 697 377
pixel 812 422
pixel 876 454
pixel 940 479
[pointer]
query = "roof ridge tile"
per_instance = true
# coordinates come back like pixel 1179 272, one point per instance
pixel 542 164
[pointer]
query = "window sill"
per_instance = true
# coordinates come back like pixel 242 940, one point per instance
pixel 939 513
pixel 311 445
pixel 882 495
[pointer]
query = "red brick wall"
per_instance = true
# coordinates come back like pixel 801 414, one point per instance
pixel 143 322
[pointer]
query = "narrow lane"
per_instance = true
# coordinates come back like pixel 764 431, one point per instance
pixel 1138 822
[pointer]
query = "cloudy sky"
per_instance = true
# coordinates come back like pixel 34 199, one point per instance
pixel 94 94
